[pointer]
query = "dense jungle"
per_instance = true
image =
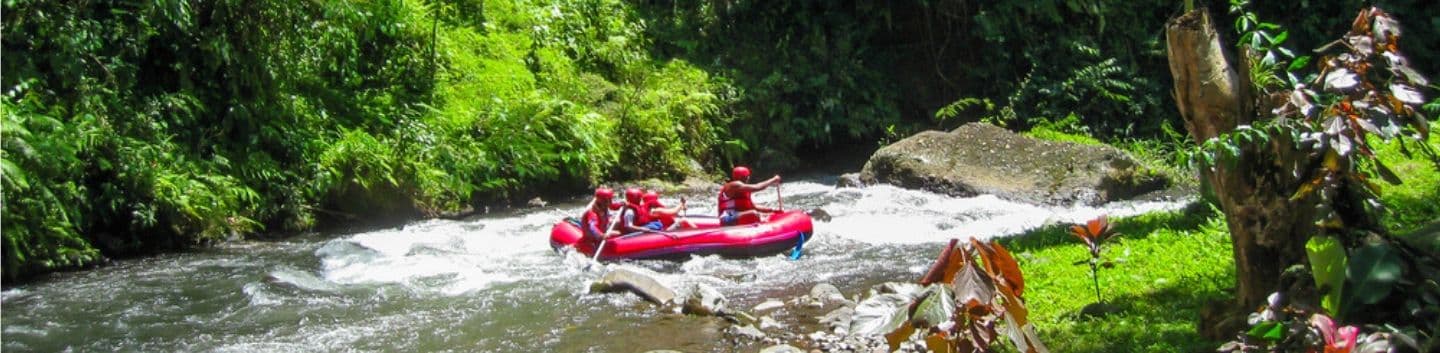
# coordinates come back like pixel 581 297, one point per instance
pixel 152 131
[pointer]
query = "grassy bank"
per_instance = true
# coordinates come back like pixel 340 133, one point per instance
pixel 1167 266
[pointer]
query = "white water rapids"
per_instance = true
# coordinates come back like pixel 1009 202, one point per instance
pixel 489 284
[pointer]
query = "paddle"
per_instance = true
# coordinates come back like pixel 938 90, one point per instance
pixel 603 238
pixel 779 197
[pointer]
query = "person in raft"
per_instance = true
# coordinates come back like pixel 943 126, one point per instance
pixel 596 221
pixel 666 216
pixel 635 217
pixel 735 204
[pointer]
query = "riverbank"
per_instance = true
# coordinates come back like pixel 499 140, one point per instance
pixel 1168 266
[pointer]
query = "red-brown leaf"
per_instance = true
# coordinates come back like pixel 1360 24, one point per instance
pixel 944 268
pixel 973 291
pixel 999 263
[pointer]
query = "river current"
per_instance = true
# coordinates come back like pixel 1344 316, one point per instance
pixel 487 284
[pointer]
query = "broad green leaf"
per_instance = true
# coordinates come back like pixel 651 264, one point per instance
pixel 1299 63
pixel 1271 331
pixel 1327 264
pixel 937 307
pixel 1373 271
pixel 880 314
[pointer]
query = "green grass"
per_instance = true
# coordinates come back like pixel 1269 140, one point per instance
pixel 1168 265
pixel 1412 204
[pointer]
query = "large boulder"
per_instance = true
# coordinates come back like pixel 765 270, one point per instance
pixel 980 158
pixel 637 280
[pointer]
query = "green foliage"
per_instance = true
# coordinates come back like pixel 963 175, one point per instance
pixel 1064 130
pixel 798 74
pixel 43 208
pixel 162 124
pixel 1176 261
pixel 1322 134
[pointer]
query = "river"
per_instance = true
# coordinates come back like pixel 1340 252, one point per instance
pixel 488 284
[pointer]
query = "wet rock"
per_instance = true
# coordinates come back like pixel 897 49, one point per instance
pixel 663 351
pixel 784 348
pixel 827 293
pixel 636 280
pixel 849 180
pixel 747 332
pixel 768 323
pixel 768 305
pixel 739 317
pixel 819 214
pixel 536 202
pixel 838 320
pixel 980 158
pixel 705 301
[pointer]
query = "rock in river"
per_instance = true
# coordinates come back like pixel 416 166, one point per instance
pixel 980 158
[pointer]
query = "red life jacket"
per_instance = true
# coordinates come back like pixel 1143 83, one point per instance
pixel 642 214
pixel 594 225
pixel 665 219
pixel 740 203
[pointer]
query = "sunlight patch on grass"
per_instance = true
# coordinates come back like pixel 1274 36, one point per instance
pixel 1168 265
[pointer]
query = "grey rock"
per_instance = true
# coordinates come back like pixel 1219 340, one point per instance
pixel 784 348
pixel 636 280
pixel 663 351
pixel 839 319
pixel 768 305
pixel 827 293
pixel 768 323
pixel 705 301
pixel 980 158
pixel 747 331
pixel 537 202
pixel 849 180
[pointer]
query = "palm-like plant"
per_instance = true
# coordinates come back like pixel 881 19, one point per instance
pixel 1094 233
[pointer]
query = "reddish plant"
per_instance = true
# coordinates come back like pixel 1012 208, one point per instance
pixel 1094 233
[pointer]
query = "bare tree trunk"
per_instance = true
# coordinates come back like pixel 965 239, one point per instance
pixel 1214 95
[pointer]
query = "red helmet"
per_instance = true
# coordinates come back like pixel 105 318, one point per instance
pixel 740 173
pixel 651 197
pixel 604 193
pixel 632 195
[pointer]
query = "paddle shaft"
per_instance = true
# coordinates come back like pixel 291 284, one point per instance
pixel 604 237
pixel 780 197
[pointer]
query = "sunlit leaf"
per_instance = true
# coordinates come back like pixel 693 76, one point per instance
pixel 1327 264
pixel 945 266
pixel 880 314
pixel 936 307
pixel 1271 331
pixel 1341 79
pixel 973 291
pixel 1406 94
pixel 999 262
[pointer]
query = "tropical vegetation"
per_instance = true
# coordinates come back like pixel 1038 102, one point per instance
pixel 133 127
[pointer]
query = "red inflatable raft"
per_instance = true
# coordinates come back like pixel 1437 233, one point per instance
pixel 783 231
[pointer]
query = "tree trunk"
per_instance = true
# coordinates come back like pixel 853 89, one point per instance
pixel 1268 231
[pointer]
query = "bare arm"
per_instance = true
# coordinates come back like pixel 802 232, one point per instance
pixel 759 186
